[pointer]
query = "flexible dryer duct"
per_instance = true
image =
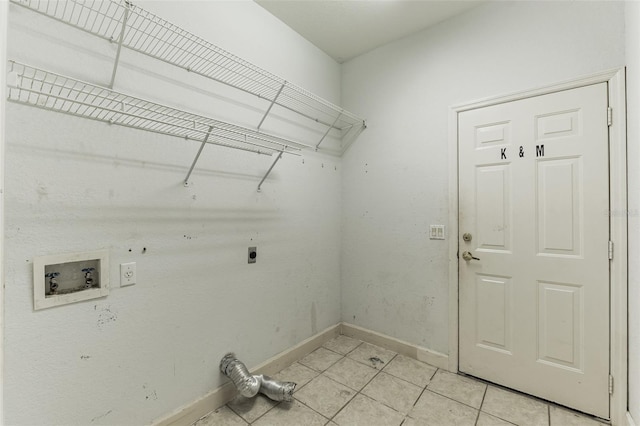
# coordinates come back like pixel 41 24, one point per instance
pixel 249 385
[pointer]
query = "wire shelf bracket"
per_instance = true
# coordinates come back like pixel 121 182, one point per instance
pixel 271 105
pixel 47 90
pixel 195 160
pixel 328 130
pixel 139 30
pixel 269 171
pixel 125 15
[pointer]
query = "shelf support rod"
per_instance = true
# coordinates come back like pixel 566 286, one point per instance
pixel 328 130
pixel 348 139
pixel 271 105
pixel 195 160
pixel 270 168
pixel 125 16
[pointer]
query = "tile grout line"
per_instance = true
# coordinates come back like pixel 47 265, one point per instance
pixel 380 402
pixel 460 402
pixel 363 363
pixel 425 388
pixel 322 371
pixel 356 390
pixel 345 404
pixel 360 391
pixel 382 370
pixel 312 409
pixel 356 394
pixel 484 394
pixel 259 417
pixel 337 353
pixel 451 399
pixel 265 413
pixel 492 414
pixel 516 392
pixel 342 356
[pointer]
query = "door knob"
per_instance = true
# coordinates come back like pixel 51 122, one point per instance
pixel 468 256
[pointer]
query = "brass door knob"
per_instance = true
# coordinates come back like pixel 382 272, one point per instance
pixel 468 256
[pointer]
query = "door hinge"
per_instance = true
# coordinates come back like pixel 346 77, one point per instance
pixel 609 116
pixel 610 250
pixel 610 384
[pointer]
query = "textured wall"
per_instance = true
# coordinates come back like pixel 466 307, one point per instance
pixel 78 185
pixel 395 180
pixel 4 13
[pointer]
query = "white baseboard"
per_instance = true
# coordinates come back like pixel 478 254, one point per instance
pixel 630 421
pixel 404 348
pixel 215 399
pixel 291 355
pixel 193 411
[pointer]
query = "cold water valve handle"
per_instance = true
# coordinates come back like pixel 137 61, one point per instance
pixel 88 277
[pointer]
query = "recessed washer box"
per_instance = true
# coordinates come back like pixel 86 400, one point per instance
pixel 68 278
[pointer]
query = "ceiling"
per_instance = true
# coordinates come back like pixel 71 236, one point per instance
pixel 345 29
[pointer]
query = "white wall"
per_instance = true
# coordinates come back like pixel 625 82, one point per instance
pixel 632 28
pixel 4 13
pixel 395 179
pixel 77 185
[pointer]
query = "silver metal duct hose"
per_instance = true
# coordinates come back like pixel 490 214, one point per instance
pixel 278 391
pixel 234 369
pixel 249 385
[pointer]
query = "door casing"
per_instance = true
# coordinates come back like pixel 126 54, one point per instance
pixel 618 223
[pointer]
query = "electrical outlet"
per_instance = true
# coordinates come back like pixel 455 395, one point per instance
pixel 127 274
pixel 253 254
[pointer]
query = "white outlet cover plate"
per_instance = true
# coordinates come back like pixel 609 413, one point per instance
pixel 128 274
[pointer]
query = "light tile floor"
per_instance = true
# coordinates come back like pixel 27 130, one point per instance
pixel 351 383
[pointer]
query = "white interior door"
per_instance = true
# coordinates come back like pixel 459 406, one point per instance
pixel 534 199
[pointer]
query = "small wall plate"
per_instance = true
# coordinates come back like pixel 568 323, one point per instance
pixel 436 232
pixel 71 282
pixel 253 254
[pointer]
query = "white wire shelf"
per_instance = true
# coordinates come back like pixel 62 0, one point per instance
pixel 51 91
pixel 139 30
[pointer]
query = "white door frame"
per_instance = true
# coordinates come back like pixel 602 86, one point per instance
pixel 618 223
